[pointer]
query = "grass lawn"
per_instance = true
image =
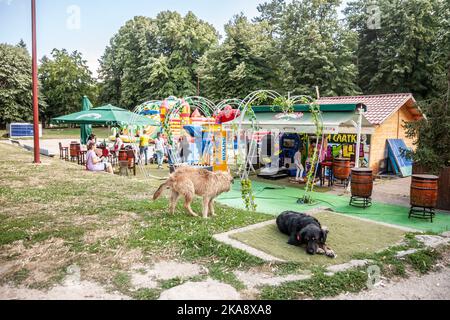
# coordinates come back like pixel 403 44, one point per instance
pixel 67 133
pixel 56 215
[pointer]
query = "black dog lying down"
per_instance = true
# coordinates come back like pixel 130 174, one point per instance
pixel 304 229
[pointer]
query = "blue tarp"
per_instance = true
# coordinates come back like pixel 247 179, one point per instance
pixel 149 112
pixel 400 163
pixel 194 131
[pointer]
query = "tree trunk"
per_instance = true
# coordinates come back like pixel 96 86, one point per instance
pixel 448 88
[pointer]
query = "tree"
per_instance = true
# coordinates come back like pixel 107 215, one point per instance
pixel 432 136
pixel 22 44
pixel 154 58
pixel 242 64
pixel 433 133
pixel 441 54
pixel 16 85
pixel 65 79
pixel 398 55
pixel 272 13
pixel 317 50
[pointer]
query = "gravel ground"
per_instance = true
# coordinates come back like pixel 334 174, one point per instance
pixel 433 286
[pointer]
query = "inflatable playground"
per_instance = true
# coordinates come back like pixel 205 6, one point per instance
pixel 261 139
pixel 212 134
pixel 194 120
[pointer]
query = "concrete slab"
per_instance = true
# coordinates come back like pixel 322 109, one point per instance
pixel 347 266
pixel 254 280
pixel 206 290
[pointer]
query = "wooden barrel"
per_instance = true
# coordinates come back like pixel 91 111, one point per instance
pixel 75 147
pixel 341 168
pixel 123 156
pixel 362 182
pixel 424 190
pixel 130 158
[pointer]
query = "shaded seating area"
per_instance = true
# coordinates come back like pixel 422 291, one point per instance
pixel 107 115
pixel 126 160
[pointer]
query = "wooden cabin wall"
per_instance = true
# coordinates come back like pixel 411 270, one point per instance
pixel 392 128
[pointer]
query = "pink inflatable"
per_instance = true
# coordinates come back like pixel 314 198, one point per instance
pixel 227 114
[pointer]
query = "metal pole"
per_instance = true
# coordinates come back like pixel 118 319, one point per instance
pixel 37 156
pixel 358 138
pixel 358 142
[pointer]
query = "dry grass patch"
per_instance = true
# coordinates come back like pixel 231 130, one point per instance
pixel 42 261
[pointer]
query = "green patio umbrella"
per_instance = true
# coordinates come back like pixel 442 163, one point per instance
pixel 108 116
pixel 86 129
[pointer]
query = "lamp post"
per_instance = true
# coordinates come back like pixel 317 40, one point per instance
pixel 358 136
pixel 37 155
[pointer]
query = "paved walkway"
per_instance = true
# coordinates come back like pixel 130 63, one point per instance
pixel 48 147
pixel 394 191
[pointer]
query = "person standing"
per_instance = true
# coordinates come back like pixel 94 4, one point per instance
pixel 143 148
pixel 185 148
pixel 118 144
pixel 299 165
pixel 91 139
pixel 159 149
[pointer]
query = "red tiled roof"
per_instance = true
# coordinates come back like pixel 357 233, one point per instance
pixel 380 107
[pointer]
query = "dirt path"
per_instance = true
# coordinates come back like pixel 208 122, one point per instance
pixel 433 286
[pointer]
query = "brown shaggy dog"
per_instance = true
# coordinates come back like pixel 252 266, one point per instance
pixel 188 182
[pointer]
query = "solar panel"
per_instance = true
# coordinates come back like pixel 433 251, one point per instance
pixel 22 130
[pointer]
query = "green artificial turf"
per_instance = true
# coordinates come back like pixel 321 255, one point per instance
pixel 347 237
pixel 274 199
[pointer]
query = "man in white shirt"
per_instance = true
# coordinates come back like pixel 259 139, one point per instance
pixel 299 165
pixel 159 149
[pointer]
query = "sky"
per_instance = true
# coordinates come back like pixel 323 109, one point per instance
pixel 88 25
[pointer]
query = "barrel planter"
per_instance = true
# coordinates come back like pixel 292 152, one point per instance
pixel 123 155
pixel 424 195
pixel 424 191
pixel 341 168
pixel 362 183
pixel 443 200
pixel 362 187
pixel 75 148
pixel 130 158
